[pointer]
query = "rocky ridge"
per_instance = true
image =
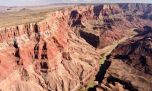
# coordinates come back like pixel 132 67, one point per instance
pixel 59 52
pixel 44 56
pixel 128 67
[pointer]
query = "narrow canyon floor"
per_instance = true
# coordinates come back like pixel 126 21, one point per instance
pixel 90 47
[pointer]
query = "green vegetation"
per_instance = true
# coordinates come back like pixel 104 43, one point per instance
pixel 102 59
pixel 89 85
pixel 106 51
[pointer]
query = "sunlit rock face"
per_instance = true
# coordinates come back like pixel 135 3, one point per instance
pixel 59 52
pixel 45 55
pixel 129 65
pixel 111 21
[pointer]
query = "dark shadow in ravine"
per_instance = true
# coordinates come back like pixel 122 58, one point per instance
pixel 97 9
pixel 147 30
pixel 110 79
pixel 74 14
pixel 75 19
pixel 90 38
pixel 101 74
pixel 126 85
pixel 102 71
pixel 36 28
pixel 92 89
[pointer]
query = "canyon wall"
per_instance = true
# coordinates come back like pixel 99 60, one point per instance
pixel 59 52
pixel 129 65
pixel 45 56
pixel 111 22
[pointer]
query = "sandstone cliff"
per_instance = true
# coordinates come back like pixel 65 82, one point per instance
pixel 128 67
pixel 59 52
pixel 110 21
pixel 45 56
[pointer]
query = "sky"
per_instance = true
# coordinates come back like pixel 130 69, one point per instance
pixel 44 2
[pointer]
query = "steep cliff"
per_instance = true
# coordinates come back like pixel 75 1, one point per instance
pixel 129 65
pixel 60 53
pixel 45 55
pixel 110 22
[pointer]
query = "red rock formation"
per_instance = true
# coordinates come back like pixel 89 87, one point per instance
pixel 114 21
pixel 129 65
pixel 51 55
pixel 45 55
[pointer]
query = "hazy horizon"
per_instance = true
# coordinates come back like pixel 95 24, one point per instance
pixel 45 2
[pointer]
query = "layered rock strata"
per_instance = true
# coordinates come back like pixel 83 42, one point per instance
pixel 129 65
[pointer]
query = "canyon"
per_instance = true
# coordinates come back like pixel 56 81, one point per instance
pixel 128 67
pixel 63 50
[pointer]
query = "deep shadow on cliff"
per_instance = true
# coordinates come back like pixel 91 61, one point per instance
pixel 75 19
pixel 90 38
pixel 100 75
pixel 51 47
pixel 97 9
pixel 102 71
pixel 129 65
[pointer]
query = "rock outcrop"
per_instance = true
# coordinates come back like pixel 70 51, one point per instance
pixel 129 66
pixel 59 52
pixel 45 56
pixel 110 22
